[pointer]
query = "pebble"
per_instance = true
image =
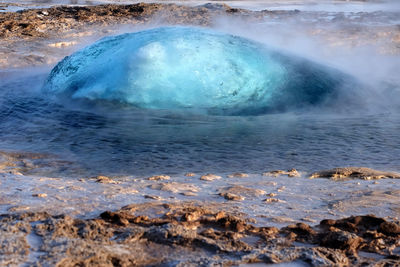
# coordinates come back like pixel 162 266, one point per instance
pixel 276 173
pixel 159 177
pixel 152 197
pixel 105 180
pixel 40 195
pixel 188 194
pixel 280 189
pixel 230 196
pixel 18 208
pixel 210 177
pixel 238 175
pixel 270 200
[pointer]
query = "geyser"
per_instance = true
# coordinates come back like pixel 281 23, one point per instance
pixel 186 67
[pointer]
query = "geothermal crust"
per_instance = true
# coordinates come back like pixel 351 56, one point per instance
pixel 187 234
pixel 44 36
pixel 194 219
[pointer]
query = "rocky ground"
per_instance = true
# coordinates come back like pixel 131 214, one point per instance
pixel 186 234
pixel 197 220
pixel 44 35
pixel 48 30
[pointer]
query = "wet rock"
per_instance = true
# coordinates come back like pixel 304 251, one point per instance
pixel 181 233
pixel 341 240
pixel 317 256
pixel 190 174
pixel 388 262
pixel 277 173
pixel 113 217
pixel 105 180
pixel 238 175
pixel 321 256
pixel 210 177
pixel 271 200
pixel 152 197
pixel 355 223
pixel 354 173
pixel 230 196
pixel 188 194
pixel 308 219
pixel 302 232
pixel 370 233
pixel 14 247
pixel 241 191
pixel 18 208
pixel 280 189
pixel 192 216
pixel 43 195
pixel 175 187
pixel 389 228
pixel 159 177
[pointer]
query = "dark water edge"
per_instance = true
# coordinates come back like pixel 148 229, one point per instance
pixel 103 139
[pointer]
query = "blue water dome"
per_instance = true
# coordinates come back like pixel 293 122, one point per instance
pixel 193 68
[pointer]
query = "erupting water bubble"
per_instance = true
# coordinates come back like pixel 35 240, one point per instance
pixel 185 67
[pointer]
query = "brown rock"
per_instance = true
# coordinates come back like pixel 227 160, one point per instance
pixel 159 177
pixel 210 177
pixel 242 191
pixel 113 217
pixel 238 175
pixel 152 197
pixel 302 231
pixel 183 233
pixel 43 195
pixel 389 228
pixel 230 196
pixel 271 200
pixel 220 215
pixel 276 173
pixel 191 216
pixel 354 173
pixel 105 180
pixel 341 240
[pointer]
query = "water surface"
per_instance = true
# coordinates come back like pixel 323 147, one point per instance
pixel 99 138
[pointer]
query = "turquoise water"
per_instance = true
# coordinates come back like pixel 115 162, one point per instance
pixel 103 139
pixel 195 70
pixel 116 108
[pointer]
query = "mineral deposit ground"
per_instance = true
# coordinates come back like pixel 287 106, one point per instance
pixel 186 234
pixel 193 219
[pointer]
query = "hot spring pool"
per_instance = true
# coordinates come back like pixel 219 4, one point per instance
pixel 154 102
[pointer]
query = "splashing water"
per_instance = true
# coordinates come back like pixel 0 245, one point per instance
pixel 186 67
